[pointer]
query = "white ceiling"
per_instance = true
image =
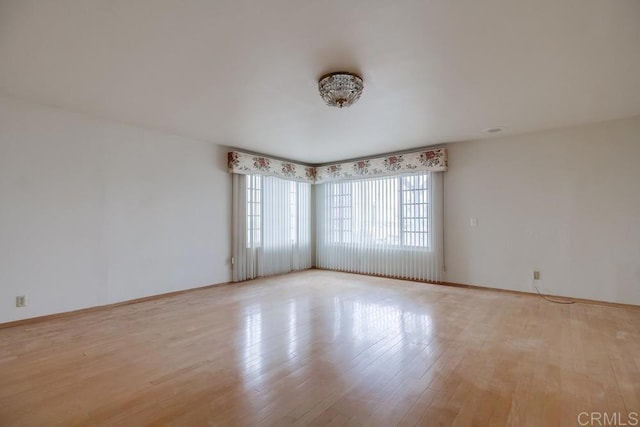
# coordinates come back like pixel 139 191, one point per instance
pixel 244 73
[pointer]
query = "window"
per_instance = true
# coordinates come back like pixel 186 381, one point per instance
pixel 293 212
pixel 415 210
pixel 258 188
pixel 387 226
pixel 275 216
pixel 382 211
pixel 254 211
pixel 341 212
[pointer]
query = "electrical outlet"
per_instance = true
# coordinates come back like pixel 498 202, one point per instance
pixel 536 275
pixel 21 301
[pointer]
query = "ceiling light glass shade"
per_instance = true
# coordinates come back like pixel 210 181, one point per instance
pixel 340 89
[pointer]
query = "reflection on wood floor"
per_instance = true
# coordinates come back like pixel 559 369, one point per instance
pixel 324 348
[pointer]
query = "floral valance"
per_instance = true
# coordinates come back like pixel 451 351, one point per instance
pixel 245 163
pixel 394 164
pixel 424 160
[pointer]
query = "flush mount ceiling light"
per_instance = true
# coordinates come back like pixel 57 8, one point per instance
pixel 340 89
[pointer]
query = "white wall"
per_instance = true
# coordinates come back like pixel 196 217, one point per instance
pixel 565 202
pixel 94 212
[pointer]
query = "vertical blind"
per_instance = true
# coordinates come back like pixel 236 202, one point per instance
pixel 388 226
pixel 271 226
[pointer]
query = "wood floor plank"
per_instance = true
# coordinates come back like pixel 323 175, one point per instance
pixel 323 348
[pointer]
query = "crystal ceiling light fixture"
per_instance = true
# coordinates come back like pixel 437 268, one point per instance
pixel 340 89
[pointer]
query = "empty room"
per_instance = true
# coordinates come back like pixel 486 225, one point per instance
pixel 279 212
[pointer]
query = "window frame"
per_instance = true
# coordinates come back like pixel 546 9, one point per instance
pixel 345 204
pixel 254 199
pixel 347 190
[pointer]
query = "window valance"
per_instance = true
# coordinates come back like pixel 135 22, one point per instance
pixel 247 164
pixel 393 164
pixel 424 160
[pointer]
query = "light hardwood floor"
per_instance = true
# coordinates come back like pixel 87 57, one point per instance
pixel 324 348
